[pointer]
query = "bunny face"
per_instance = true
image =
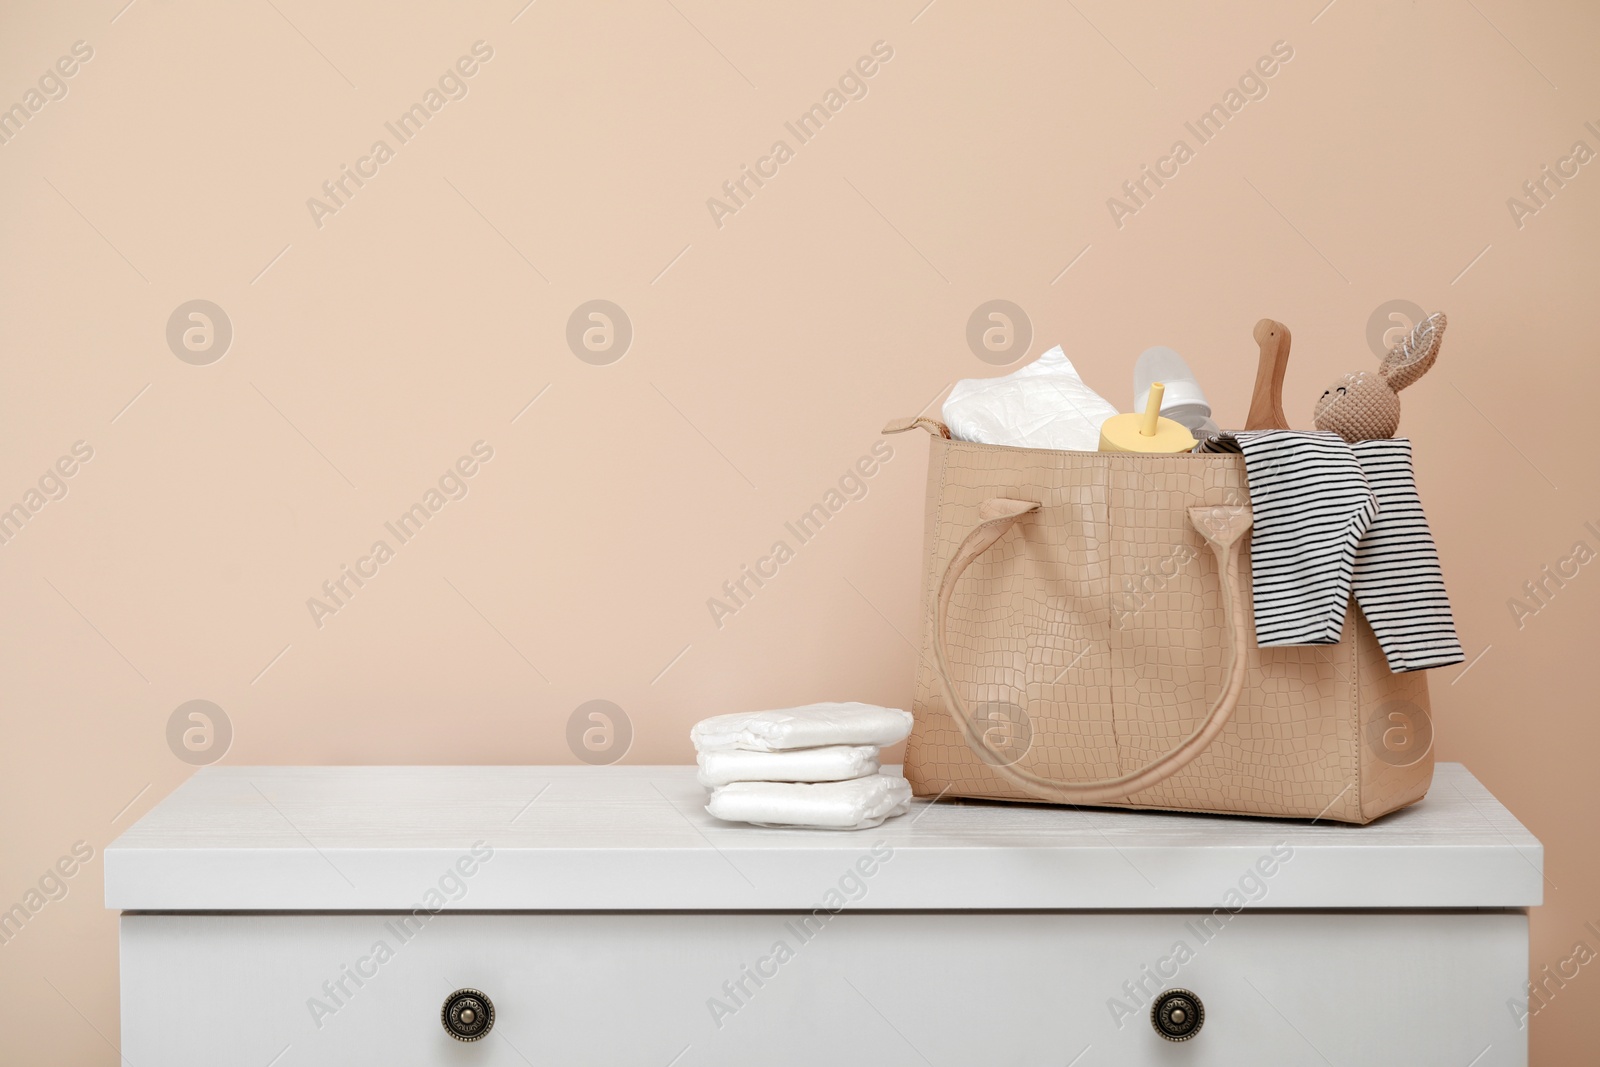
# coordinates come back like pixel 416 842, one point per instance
pixel 1358 407
pixel 1365 406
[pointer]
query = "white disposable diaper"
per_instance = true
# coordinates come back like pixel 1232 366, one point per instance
pixel 804 727
pixel 1043 405
pixel 854 805
pixel 830 763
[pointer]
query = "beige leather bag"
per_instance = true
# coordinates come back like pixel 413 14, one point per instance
pixel 1087 638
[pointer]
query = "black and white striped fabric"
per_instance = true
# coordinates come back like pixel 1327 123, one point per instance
pixel 1332 519
pixel 1311 504
pixel 1398 581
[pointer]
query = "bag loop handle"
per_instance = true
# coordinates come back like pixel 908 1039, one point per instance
pixel 1223 527
pixel 934 427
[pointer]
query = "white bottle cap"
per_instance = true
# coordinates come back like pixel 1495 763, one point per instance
pixel 1183 400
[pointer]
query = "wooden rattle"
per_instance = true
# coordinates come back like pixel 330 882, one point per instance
pixel 1146 432
pixel 1266 402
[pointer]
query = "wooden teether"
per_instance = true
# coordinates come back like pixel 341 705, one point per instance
pixel 1146 432
pixel 1266 403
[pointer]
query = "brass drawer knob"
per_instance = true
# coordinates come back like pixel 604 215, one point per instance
pixel 1177 1015
pixel 467 1015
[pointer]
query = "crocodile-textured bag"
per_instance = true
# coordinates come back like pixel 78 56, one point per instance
pixel 1087 638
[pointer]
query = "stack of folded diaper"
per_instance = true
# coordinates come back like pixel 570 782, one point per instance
pixel 814 766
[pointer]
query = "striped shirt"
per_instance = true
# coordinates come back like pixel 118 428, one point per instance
pixel 1332 519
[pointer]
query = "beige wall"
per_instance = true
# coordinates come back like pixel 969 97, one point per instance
pixel 428 311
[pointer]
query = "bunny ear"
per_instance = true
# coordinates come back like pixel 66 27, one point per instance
pixel 1411 358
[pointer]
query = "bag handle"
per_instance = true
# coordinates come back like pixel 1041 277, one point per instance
pixel 934 427
pixel 1223 528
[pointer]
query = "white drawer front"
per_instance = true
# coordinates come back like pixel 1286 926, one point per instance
pixel 958 989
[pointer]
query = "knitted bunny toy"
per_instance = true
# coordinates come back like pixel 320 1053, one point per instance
pixel 1365 406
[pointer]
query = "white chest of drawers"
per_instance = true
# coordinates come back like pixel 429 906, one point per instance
pixel 307 916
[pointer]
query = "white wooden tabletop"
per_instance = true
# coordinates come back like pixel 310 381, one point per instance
pixel 638 838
